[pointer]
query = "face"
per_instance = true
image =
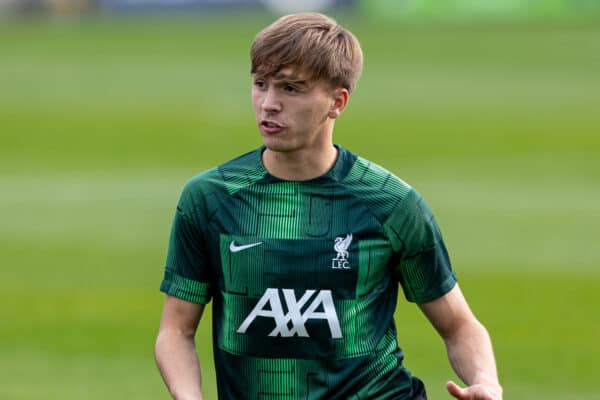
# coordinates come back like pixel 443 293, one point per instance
pixel 293 112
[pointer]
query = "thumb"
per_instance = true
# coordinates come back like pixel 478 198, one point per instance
pixel 455 390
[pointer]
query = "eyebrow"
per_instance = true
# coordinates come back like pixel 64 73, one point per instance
pixel 288 78
pixel 291 77
pixel 283 75
pixel 292 80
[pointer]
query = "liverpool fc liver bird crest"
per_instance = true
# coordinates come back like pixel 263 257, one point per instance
pixel 341 247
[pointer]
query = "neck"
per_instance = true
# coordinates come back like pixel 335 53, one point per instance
pixel 300 165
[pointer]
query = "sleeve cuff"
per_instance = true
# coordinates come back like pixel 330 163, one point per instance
pixel 425 296
pixel 185 289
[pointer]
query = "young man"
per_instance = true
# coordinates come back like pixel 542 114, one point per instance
pixel 301 245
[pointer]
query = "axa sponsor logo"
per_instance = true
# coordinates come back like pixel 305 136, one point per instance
pixel 292 323
pixel 341 245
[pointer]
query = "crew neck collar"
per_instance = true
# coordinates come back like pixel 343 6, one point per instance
pixel 337 171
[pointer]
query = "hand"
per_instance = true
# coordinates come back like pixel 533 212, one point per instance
pixel 475 392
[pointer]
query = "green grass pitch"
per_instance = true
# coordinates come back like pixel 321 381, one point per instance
pixel 103 121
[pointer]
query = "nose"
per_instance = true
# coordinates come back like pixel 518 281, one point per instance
pixel 271 102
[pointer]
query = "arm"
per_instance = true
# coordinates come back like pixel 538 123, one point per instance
pixel 468 344
pixel 175 350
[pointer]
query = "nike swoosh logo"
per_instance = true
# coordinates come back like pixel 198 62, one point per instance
pixel 234 249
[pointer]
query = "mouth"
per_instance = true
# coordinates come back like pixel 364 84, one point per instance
pixel 270 127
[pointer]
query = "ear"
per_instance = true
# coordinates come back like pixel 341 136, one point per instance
pixel 340 100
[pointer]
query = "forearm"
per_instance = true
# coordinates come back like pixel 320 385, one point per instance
pixel 471 355
pixel 178 364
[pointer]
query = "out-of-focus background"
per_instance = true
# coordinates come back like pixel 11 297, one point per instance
pixel 107 107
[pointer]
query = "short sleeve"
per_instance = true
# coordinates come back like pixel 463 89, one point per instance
pixel 187 271
pixel 422 264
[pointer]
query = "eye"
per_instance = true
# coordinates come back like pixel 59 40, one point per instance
pixel 290 89
pixel 260 84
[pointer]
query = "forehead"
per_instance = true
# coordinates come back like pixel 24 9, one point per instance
pixel 287 73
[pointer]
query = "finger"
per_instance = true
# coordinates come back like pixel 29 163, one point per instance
pixel 455 390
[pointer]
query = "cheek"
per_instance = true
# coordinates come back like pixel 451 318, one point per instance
pixel 309 110
pixel 256 100
pixel 317 112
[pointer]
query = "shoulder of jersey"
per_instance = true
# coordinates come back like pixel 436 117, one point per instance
pixel 378 188
pixel 227 178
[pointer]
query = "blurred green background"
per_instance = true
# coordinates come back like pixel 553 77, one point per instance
pixel 102 121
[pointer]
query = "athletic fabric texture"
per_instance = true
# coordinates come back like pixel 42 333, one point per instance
pixel 304 276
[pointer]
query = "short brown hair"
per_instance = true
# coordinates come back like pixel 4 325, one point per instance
pixel 312 42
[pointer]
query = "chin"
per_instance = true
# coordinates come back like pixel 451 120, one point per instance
pixel 280 146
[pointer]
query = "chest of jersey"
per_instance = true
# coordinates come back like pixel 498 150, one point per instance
pixel 294 260
pixel 298 236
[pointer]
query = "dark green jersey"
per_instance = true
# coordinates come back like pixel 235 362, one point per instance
pixel 304 276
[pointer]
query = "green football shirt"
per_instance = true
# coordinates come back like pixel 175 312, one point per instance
pixel 303 276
